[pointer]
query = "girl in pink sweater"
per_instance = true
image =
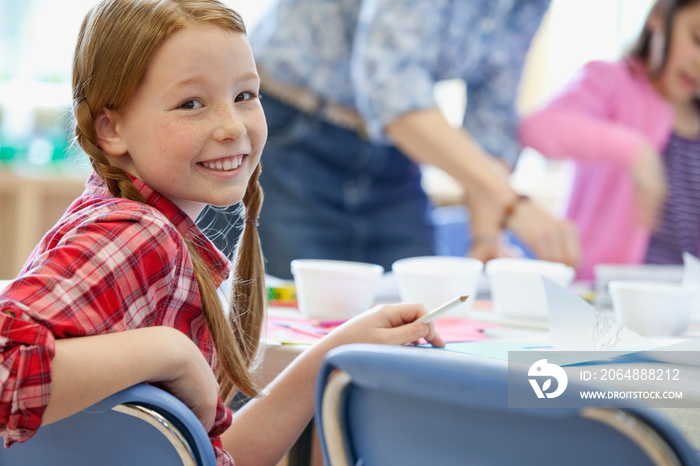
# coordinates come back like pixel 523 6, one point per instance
pixel 632 128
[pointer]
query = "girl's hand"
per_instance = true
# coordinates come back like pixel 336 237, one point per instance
pixel 265 428
pixel 387 324
pixel 193 382
pixel 87 369
pixel 650 186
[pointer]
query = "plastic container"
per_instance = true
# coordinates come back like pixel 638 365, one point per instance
pixel 517 289
pixel 334 290
pixel 652 308
pixel 434 280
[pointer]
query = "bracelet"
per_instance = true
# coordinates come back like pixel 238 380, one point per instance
pixel 510 209
pixel 488 238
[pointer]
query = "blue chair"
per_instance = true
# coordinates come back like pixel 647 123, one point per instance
pixel 142 425
pixel 384 406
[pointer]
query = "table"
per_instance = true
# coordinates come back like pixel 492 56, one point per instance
pixel 278 356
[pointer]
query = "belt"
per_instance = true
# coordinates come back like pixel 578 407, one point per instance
pixel 311 104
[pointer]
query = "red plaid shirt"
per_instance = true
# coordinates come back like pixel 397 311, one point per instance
pixel 108 265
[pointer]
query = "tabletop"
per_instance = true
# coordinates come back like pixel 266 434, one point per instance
pixel 485 335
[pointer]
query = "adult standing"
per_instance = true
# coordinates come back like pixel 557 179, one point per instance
pixel 347 90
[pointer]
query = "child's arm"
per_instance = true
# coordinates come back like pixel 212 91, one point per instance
pixel 611 117
pixel 267 426
pixel 649 176
pixel 567 133
pixel 588 120
pixel 92 279
pixel 86 370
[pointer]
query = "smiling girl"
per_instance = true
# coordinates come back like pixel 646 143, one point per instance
pixel 633 130
pixel 123 289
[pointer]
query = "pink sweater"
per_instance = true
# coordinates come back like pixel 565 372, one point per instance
pixel 600 120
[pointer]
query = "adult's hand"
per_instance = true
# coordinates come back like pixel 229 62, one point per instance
pixel 549 238
pixel 486 248
pixel 426 137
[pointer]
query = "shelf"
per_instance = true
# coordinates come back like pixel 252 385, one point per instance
pixel 30 204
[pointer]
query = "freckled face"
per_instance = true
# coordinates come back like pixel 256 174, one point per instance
pixel 194 130
pixel 680 80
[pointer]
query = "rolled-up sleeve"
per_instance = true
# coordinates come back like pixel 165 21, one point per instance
pixel 26 350
pixel 105 275
pixel 396 46
pixel 491 115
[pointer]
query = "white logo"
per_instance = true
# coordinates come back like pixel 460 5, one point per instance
pixel 542 369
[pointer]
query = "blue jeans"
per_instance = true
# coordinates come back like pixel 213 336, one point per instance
pixel 331 195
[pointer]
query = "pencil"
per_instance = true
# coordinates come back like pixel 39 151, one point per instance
pixel 437 312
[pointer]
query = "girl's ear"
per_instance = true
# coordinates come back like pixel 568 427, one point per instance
pixel 108 136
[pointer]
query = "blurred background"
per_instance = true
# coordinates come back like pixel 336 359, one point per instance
pixel 41 172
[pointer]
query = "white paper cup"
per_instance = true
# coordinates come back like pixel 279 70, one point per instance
pixel 434 280
pixel 691 280
pixel 517 289
pixel 652 308
pixel 334 290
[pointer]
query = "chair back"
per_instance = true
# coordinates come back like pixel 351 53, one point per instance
pixel 4 284
pixel 384 406
pixel 142 425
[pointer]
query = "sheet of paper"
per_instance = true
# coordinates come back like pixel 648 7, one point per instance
pixel 284 325
pixel 575 325
pixel 685 352
pixel 494 349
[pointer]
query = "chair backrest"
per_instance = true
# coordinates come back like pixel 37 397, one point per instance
pixel 384 406
pixel 142 425
pixel 4 284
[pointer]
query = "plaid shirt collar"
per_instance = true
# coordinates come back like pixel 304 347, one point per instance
pixel 217 262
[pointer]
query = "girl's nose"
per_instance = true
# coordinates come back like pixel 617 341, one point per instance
pixel 229 124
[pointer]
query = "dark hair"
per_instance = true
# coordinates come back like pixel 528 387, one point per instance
pixel 667 10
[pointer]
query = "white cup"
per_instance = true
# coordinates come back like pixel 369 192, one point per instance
pixel 517 289
pixel 434 280
pixel 334 290
pixel 652 308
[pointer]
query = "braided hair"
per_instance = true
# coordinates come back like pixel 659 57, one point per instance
pixel 115 43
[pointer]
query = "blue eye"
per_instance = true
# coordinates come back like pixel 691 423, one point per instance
pixel 191 104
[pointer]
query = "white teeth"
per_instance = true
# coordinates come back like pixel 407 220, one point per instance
pixel 224 165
